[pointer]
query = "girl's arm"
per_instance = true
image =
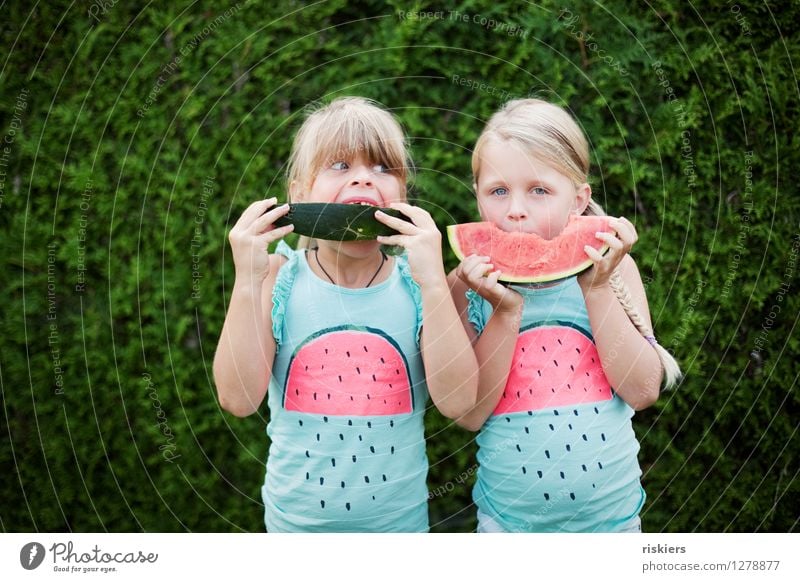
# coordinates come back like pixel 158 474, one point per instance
pixel 246 349
pixel 494 348
pixel 631 364
pixel 451 370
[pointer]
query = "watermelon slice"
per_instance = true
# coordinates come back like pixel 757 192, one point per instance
pixel 348 371
pixel 555 364
pixel 528 258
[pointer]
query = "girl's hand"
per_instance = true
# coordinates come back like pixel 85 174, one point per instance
pixel 421 240
pixel 479 275
pixel 251 235
pixel 619 245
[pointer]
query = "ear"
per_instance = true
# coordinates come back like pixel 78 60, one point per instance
pixel 583 194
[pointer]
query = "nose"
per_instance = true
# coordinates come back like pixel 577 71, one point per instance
pixel 362 176
pixel 516 210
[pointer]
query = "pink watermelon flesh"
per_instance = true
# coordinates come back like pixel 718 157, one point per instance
pixel 553 366
pixel 528 258
pixel 351 372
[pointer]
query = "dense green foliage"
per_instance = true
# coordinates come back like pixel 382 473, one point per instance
pixel 133 139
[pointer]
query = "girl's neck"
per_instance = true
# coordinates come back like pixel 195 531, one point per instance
pixel 343 270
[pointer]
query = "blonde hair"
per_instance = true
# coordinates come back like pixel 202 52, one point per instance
pixel 344 128
pixel 551 134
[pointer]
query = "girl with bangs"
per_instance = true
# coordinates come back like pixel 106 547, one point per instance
pixel 345 342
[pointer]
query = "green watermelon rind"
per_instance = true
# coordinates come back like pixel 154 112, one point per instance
pixel 346 327
pixel 559 323
pixel 452 238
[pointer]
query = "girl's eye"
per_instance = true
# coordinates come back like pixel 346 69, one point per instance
pixel 499 191
pixel 380 169
pixel 339 166
pixel 539 191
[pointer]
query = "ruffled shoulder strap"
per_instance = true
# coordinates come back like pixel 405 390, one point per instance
pixel 283 287
pixel 413 288
pixel 475 310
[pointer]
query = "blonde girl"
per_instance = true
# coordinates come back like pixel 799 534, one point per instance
pixel 345 342
pixel 556 448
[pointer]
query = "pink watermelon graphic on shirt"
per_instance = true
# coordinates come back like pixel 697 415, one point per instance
pixel 554 364
pixel 348 371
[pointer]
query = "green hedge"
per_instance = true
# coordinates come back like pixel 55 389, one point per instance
pixel 134 137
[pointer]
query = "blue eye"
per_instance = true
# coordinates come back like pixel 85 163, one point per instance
pixel 499 191
pixel 539 191
pixel 339 166
pixel 380 169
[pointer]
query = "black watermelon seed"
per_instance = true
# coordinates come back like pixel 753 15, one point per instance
pixel 383 361
pixel 321 480
pixel 325 418
pixel 572 495
pixel 329 395
pixel 348 354
pixel 523 349
pixel 342 484
pixel 556 363
pixel 583 467
pixel 569 448
pixel 596 411
pixel 349 423
pixel 297 392
pixel 366 479
pixel 317 437
pixel 524 470
pixel 571 367
pixel 544 349
pixel 599 464
pixel 326 350
pixel 374 379
pixel 361 438
pixel 527 430
pixel 315 395
pixel 547 496
pixel 373 498
pixel 306 368
pixel 397 372
pixel 358 370
pixel 519 449
pixel 578 350
pixel 384 400
pixel 603 435
pixel 341 437
pixel 307 476
pixel 594 486
pixel 354 458
pixel 576 412
pixel 530 413
pixel 340 378
pixel 365 349
pixel 555 412
pixel 551 427
pixel 553 390
pixel 307 455
pixel 593 360
pixel 351 398
pixel 391 423
pixel 508 419
pixel 301 422
pixel 547 454
pixel 368 396
pixel 570 426
pixel 584 437
pixel 384 477
pixel 559 342
pixel 333 462
pixel 369 424
pixel 321 501
pixel 569 387
pixel 517 393
pixel 561 473
pixel 371 449
pixel 392 450
pixel 540 372
pixel 539 473
pixel 347 505
pixel 587 374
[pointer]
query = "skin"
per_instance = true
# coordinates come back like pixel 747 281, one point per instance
pixel 246 350
pixel 522 193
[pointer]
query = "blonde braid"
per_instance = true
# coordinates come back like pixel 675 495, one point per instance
pixel 672 371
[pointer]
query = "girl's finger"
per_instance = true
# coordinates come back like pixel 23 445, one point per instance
pixel 400 240
pixel 255 210
pixel 611 240
pixel 263 222
pixel 400 225
pixel 419 216
pixel 274 234
pixel 593 254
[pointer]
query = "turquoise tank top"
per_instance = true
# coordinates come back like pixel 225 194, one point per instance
pixel 558 453
pixel 346 400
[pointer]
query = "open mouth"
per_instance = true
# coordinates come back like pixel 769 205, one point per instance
pixel 361 201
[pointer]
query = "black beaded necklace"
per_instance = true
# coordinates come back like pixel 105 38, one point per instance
pixel 383 260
